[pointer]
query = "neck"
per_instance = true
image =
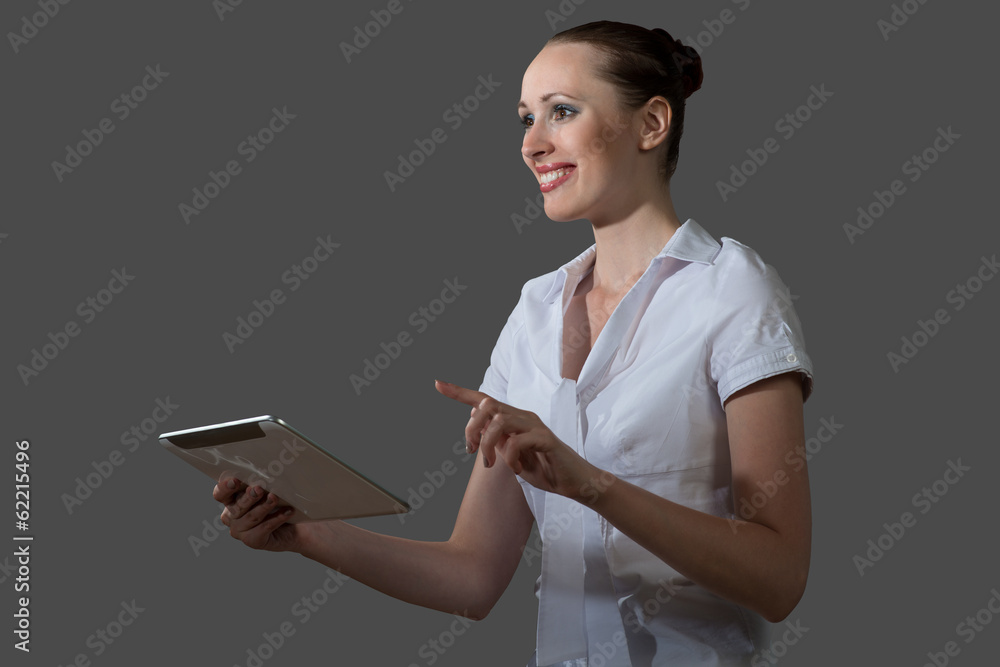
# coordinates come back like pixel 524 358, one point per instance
pixel 626 245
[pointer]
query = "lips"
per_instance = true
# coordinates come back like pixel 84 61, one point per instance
pixel 553 175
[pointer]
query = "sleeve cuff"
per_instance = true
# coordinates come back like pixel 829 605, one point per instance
pixel 766 365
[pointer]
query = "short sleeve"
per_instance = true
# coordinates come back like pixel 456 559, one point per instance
pixel 756 332
pixel 498 373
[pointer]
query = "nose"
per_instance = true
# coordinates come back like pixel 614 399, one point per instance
pixel 536 143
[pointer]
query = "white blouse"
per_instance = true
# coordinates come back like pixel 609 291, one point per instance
pixel 704 320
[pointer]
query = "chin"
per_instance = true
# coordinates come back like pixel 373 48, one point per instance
pixel 558 213
pixel 558 218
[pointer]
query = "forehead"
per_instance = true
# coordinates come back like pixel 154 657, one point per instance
pixel 562 68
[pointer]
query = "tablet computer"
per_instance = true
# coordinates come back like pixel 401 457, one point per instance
pixel 265 451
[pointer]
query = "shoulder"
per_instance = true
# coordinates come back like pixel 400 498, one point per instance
pixel 715 266
pixel 741 276
pixel 740 261
pixel 755 331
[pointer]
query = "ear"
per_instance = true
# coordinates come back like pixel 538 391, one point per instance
pixel 655 117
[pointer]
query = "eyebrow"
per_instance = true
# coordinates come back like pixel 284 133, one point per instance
pixel 546 97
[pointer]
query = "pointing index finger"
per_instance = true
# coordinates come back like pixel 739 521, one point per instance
pixel 461 394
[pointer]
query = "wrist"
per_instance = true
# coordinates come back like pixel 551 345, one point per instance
pixel 595 483
pixel 310 537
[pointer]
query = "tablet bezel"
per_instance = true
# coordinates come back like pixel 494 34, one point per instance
pixel 227 441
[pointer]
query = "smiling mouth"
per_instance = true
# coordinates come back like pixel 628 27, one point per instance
pixel 554 178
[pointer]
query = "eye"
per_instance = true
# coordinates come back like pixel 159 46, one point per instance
pixel 562 111
pixel 559 112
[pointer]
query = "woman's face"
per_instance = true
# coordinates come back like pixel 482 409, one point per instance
pixel 577 142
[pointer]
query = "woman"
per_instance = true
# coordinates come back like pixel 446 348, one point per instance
pixel 643 403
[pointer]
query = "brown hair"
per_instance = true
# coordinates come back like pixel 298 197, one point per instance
pixel 643 63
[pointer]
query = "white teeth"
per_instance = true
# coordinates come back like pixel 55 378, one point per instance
pixel 550 176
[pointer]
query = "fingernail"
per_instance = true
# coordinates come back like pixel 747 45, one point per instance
pixel 253 493
pixel 468 447
pixel 231 484
pixel 486 462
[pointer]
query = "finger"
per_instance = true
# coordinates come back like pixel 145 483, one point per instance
pixel 509 451
pixel 482 415
pixel 461 394
pixel 244 502
pixel 240 526
pixel 280 516
pixel 497 432
pixel 226 489
pixel 248 527
pixel 474 430
pixel 519 450
pixel 258 512
pixel 487 446
pixel 258 536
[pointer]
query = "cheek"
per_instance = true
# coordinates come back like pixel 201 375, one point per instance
pixel 619 160
pixel 599 150
pixel 599 165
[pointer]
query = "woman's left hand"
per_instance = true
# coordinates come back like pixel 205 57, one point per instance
pixel 525 444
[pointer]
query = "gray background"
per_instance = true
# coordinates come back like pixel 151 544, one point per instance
pixel 323 175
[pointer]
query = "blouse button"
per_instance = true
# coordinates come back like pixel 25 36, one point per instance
pixel 792 358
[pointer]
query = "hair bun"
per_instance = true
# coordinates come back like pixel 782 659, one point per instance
pixel 686 59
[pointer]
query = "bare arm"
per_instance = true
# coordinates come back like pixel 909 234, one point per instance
pixel 762 563
pixel 464 575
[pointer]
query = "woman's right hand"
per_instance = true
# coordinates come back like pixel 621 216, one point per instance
pixel 257 518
